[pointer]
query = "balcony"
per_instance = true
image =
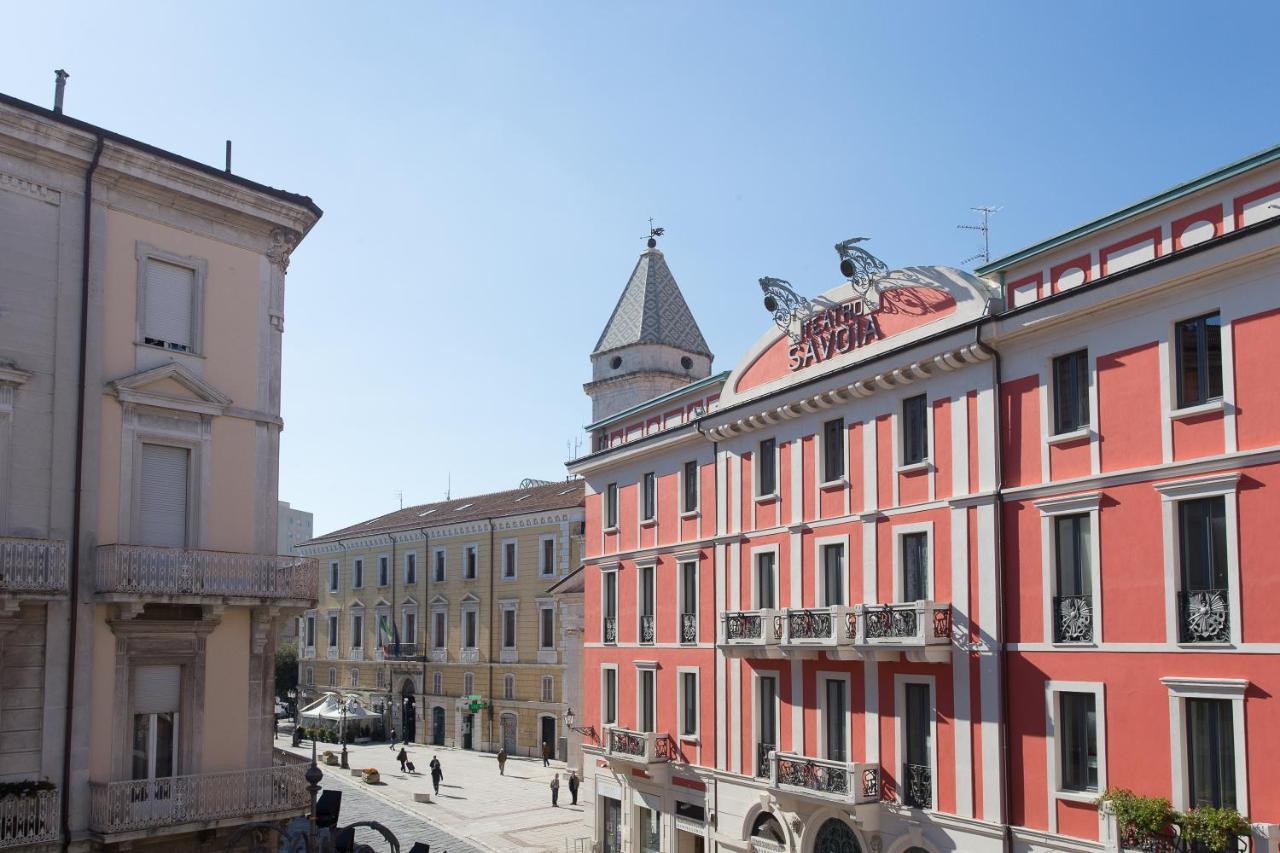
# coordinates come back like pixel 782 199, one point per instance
pixel 917 786
pixel 469 655
pixel 847 782
pixel 646 629
pixel 751 632
pixel 406 651
pixel 922 629
pixel 1073 619
pixel 818 628
pixel 638 747
pixel 31 569
pixel 26 821
pixel 609 629
pixel 144 806
pixel 688 628
pixel 181 575
pixel 1204 616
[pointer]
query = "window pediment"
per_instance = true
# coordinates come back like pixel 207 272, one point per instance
pixel 171 386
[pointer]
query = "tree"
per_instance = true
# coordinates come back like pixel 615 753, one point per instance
pixel 287 676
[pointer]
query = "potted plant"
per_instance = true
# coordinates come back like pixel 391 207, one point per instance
pixel 1214 828
pixel 1143 820
pixel 370 776
pixel 328 757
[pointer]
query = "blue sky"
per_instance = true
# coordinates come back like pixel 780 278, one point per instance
pixel 487 171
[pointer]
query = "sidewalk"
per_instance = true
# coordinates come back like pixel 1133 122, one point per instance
pixel 500 813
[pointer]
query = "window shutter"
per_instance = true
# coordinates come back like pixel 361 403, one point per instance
pixel 170 292
pixel 164 495
pixel 156 688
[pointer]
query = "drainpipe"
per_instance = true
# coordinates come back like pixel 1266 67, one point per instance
pixel 73 599
pixel 425 568
pixel 491 594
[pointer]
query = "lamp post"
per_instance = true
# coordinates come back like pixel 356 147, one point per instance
pixel 343 733
pixel 589 731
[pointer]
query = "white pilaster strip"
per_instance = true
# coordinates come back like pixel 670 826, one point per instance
pixel 1166 403
pixel 797 706
pixel 870 498
pixel 986 439
pixel 735 496
pixel 721 463
pixel 796 446
pixel 1043 391
pixel 869 585
pixel 795 568
pixel 871 689
pixel 1228 389
pixel 989 664
pixel 960 660
pixel 960 445
pixel 735 724
pixel 720 606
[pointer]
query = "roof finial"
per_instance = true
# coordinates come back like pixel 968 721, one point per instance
pixel 654 233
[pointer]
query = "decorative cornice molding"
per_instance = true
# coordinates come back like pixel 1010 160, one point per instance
pixel 22 186
pixel 283 242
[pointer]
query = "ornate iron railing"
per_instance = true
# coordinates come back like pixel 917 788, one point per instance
pixel 744 625
pixel 646 747
pixel 32 565
pixel 148 803
pixel 869 790
pixel 917 786
pixel 408 651
pixel 149 570
pixel 763 764
pixel 912 623
pixel 809 624
pixel 890 622
pixel 646 628
pixel 1204 616
pixel 610 629
pixel 29 820
pixel 625 742
pixel 813 774
pixel 1073 618
pixel 688 627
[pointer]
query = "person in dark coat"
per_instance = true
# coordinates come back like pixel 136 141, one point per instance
pixel 555 791
pixel 393 738
pixel 546 754
pixel 502 761
pixel 573 786
pixel 436 774
pixel 402 757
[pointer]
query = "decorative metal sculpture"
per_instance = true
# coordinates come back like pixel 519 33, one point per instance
pixel 1204 618
pixel 688 627
pixel 919 789
pixel 1074 623
pixel 889 621
pixel 942 622
pixel 859 266
pixel 786 306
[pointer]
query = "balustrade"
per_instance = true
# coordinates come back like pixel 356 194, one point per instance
pixel 688 627
pixel 1204 616
pixel 744 630
pixel 638 747
pixel 646 629
pixel 906 625
pixel 764 763
pixel 917 786
pixel 142 570
pixel 29 819
pixel 32 565
pixel 849 782
pixel 1073 618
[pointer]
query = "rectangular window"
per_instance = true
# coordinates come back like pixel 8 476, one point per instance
pixel 688 602
pixel 690 487
pixel 384 572
pixel 548 688
pixel 609 702
pixel 611 505
pixel 1202 533
pixel 918 773
pixel 1073 601
pixel 767 714
pixel 311 631
pixel 469 629
pixel 547 628
pixel 357 631
pixel 648 497
pixel 833 574
pixel 509 559
pixel 168 306
pixel 915 566
pixel 1070 392
pixel 915 429
pixel 508 629
pixel 163 495
pixel 833 450
pixel 647 698
pixel 470 571
pixel 440 566
pixel 548 556
pixel 410 627
pixel 468 684
pixel 1199 345
pixel 411 568
pixel 333 577
pixel 836 720
pixel 646 591
pixel 437 630
pixel 767 467
pixel 610 627
pixel 357 573
pixel 766 581
pixel 1078 741
pixel 689 703
pixel 333 630
pixel 1211 758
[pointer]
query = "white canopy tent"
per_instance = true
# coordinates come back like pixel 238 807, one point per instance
pixel 328 712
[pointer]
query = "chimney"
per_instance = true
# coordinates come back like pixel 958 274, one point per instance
pixel 58 88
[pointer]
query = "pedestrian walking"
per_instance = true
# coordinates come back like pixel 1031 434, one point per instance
pixel 546 755
pixel 502 761
pixel 403 758
pixel 393 738
pixel 436 774
pixel 555 791
pixel 573 786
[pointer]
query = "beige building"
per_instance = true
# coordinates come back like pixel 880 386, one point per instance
pixel 141 313
pixel 441 618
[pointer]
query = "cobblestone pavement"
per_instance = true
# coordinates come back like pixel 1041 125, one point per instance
pixel 477 811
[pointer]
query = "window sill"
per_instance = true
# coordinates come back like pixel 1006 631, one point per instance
pixel 167 351
pixel 1217 405
pixel 1069 437
pixel 1195 646
pixel 837 483
pixel 689 513
pixel 1086 644
pixel 613 529
pixel 1090 797
pixel 769 498
pixel 648 522
pixel 693 739
pixel 914 467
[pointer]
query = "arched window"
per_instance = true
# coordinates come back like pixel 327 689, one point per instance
pixel 508 686
pixel 436 687
pixel 548 688
pixel 333 677
pixel 355 677
pixel 468 684
pixel 835 836
pixel 766 827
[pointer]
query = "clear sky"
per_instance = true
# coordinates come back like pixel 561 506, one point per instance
pixel 487 171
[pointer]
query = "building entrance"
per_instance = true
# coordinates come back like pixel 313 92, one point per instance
pixel 437 726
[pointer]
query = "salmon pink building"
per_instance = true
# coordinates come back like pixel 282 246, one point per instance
pixel 944 555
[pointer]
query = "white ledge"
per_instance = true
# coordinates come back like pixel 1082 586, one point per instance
pixel 1069 437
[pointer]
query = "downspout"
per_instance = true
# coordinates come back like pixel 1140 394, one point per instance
pixel 425 567
pixel 491 594
pixel 73 599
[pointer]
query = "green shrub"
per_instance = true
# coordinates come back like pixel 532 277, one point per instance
pixel 25 788
pixel 1213 827
pixel 1141 816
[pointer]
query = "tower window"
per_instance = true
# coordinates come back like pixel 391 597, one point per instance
pixel 615 362
pixel 686 362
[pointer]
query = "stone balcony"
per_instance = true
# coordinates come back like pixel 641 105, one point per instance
pixel 31 570
pixel 641 748
pixel 151 574
pixel 123 810
pixel 847 782
pixel 922 629
pixel 812 629
pixel 30 821
pixel 751 633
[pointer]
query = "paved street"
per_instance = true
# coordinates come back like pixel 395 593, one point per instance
pixel 477 811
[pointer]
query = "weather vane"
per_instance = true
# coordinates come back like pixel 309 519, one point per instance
pixel 654 233
pixel 859 266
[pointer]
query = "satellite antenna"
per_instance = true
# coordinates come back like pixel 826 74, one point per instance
pixel 985 254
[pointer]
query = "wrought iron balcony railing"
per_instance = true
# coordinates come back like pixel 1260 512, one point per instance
pixel 917 786
pixel 1204 616
pixel 646 629
pixel 144 804
pixel 821 627
pixel 406 651
pixel 610 629
pixel 764 759
pixel 759 630
pixel 907 625
pixel 839 780
pixel 33 565
pixel 1073 619
pixel 29 820
pixel 143 570
pixel 688 627
pixel 638 747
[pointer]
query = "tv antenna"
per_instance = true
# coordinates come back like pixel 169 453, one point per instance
pixel 985 254
pixel 400 495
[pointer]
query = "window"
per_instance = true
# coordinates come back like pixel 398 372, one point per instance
pixel 609 696
pixel 469 618
pixel 1078 741
pixel 410 626
pixel 508 628
pixel 468 684
pixel 1073 603
pixel 311 676
pixel 647 698
pixel 333 630
pixel 1211 764
pixel 611 506
pixel 508 686
pixel 163 499
pixel 646 604
pixel 355 677
pixel 548 566
pixel 689 602
pixel 384 572
pixel 915 430
pixel 917 772
pixel 333 677
pixel 157 697
pixel 439 566
pixel 833 450
pixel 767 467
pixel 333 577
pixel 690 487
pixel 833 574
pixel 1203 602
pixel 915 566
pixel 648 496
pixel 766 580
pixel 437 685
pixel 411 568
pixel 767 714
pixel 546 627
pixel 1070 392
pixel 509 559
pixel 357 630
pixel 382 679
pixel 836 714
pixel 170 305
pixel 357 573
pixel 311 630
pixel 438 629
pixel 548 688
pixel 1199 344
pixel 689 703
pixel 609 628
pixel 470 570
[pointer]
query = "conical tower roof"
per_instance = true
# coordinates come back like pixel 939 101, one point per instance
pixel 652 310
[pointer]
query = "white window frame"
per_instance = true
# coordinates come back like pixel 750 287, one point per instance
pixel 335 575
pixel 407 610
pixel 1048 397
pixel 547 571
pixel 468 683
pixel 355 676
pixel 439 557
pixel 1173 379
pixel 823 676
pixel 437 684
pixel 309 631
pixel 545 606
pixel 777 576
pixel 1181 689
pixel 509 685
pixel 926 463
pixel 515 559
pixel 410 555
pixel 1053 713
pixel 357 634
pixel 640 566
pixel 617 507
pixel 899 735
pixel 198 473
pixel 608 667
pixel 683 560
pixel 355 574
pixel 1050 510
pixel 471 549
pixel 897 532
pixel 548 688
pixel 756 675
pixel 1172 493
pixel 144 253
pixel 384 560
pixel 819 453
pixel 468 607
pixel 640 519
pixel 697 504
pixel 646 666
pixel 777 471
pixel 609 567
pixel 681 672
pixel 333 676
pixel 332 624
pixel 441 611
pixel 511 653
pixel 820 568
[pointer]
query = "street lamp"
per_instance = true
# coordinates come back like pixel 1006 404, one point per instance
pixel 589 731
pixel 343 733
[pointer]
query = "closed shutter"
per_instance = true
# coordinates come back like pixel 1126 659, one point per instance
pixel 156 688
pixel 164 495
pixel 170 292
